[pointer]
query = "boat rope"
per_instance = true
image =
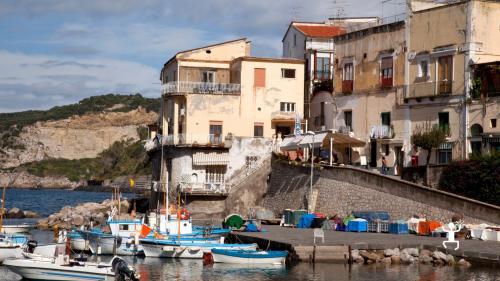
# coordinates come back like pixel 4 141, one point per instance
pixel 268 244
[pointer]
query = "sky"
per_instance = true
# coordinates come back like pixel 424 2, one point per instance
pixel 58 52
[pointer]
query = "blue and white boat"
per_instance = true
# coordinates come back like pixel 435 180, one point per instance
pixel 77 241
pixel 187 250
pixel 248 257
pixel 11 245
pixel 101 243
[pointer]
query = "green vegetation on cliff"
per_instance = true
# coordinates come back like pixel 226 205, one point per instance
pixel 88 105
pixel 126 157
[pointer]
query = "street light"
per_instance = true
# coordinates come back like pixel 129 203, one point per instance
pixel 312 171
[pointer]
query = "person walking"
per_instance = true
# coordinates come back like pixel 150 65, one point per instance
pixel 384 166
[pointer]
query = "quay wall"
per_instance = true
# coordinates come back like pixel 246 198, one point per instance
pixel 341 190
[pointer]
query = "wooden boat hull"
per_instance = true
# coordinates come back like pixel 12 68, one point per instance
pixel 114 246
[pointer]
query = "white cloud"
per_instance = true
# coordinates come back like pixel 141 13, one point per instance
pixel 37 86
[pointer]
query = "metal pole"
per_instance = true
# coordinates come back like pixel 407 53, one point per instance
pixel 331 151
pixel 312 172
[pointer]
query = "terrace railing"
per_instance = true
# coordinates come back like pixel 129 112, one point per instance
pixel 179 87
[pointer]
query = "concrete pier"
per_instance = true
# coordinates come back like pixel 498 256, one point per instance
pixel 337 246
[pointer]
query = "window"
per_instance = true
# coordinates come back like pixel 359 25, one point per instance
pixel 295 40
pixel 322 68
pixel 386 72
pixel 444 121
pixel 208 76
pixel 287 107
pixel 445 74
pixel 287 73
pixel 348 76
pixel 444 156
pixel 423 68
pixel 258 129
pixel 348 119
pixel 386 118
pixel 493 123
pixel 215 132
pixel 348 72
pixel 259 77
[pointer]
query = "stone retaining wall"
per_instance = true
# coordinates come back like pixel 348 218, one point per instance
pixel 342 190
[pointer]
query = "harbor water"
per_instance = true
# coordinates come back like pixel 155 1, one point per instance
pixel 169 269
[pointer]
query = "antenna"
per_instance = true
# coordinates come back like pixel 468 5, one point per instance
pixel 338 8
pixel 296 13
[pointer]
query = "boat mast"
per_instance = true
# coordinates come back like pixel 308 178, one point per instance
pixel 6 184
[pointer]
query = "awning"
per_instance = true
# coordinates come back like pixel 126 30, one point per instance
pixel 309 139
pixel 210 158
pixel 342 139
pixel 291 143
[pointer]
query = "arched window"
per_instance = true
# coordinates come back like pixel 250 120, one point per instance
pixel 476 130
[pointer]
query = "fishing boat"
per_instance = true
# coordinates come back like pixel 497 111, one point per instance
pixel 11 246
pixel 62 268
pixel 77 241
pixel 189 250
pixel 17 228
pixel 248 257
pixel 101 243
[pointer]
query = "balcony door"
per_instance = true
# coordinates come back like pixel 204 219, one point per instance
pixel 445 74
pixel 215 132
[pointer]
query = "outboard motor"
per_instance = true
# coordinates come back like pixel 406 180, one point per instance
pixel 30 246
pixel 123 272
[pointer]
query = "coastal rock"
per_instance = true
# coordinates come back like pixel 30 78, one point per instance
pixel 82 214
pixel 369 255
pixel 391 252
pixel 425 253
pixel 411 251
pixel 15 213
pixel 395 259
pixel 406 258
pixel 425 259
pixel 437 255
pixel 31 214
pixel 464 263
pixel 450 259
pixel 359 259
pixel 355 254
pixel 386 260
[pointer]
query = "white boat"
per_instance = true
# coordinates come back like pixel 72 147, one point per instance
pixel 17 228
pixel 62 268
pixel 107 244
pixel 249 257
pixel 191 250
pixel 11 246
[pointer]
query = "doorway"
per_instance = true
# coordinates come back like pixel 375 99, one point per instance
pixel 373 153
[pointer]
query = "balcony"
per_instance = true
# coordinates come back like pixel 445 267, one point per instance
pixel 283 115
pixel 381 132
pixel 386 83
pixel 322 75
pixel 347 86
pixel 486 82
pixel 195 140
pixel 181 87
pixel 205 188
pixel 429 89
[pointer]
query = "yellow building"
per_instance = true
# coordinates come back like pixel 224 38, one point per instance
pixel 218 96
pixel 369 80
pixel 446 44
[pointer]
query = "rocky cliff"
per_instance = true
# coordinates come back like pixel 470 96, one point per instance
pixel 76 137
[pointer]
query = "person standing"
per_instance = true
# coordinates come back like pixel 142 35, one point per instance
pixel 384 166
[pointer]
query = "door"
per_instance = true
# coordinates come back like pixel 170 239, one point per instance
pixel 445 74
pixel 373 153
pixel 399 160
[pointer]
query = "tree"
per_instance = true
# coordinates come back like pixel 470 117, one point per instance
pixel 428 137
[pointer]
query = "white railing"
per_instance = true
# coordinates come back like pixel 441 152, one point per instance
pixel 201 88
pixel 201 139
pixel 204 187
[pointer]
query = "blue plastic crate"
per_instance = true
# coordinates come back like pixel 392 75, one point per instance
pixel 357 225
pixel 398 227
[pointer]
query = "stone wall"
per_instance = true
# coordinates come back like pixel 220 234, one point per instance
pixel 343 190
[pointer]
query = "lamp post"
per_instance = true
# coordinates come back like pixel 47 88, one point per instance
pixel 312 171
